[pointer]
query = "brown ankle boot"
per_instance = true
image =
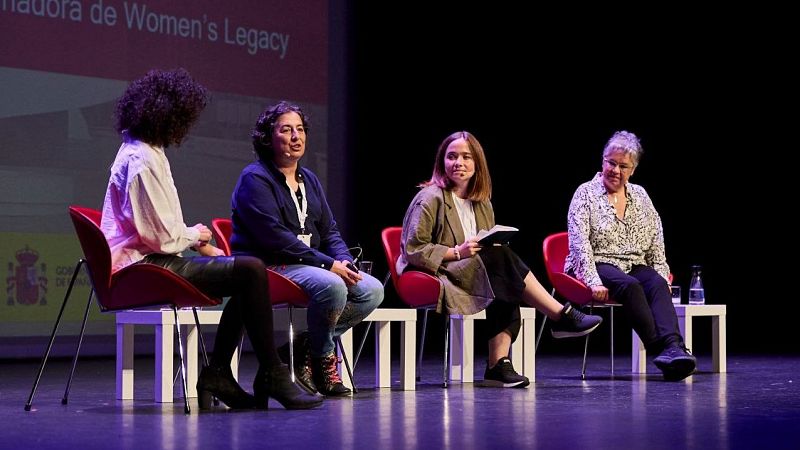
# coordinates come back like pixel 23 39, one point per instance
pixel 326 377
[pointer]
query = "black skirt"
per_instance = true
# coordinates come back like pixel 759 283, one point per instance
pixel 506 273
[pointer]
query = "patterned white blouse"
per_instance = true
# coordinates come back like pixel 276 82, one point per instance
pixel 596 235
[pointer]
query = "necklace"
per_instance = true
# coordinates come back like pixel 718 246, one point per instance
pixel 615 199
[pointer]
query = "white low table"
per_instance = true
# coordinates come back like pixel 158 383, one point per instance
pixel 462 346
pixel 462 338
pixel 164 322
pixel 383 317
pixel 685 315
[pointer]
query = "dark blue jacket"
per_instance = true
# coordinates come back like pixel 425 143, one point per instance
pixel 265 221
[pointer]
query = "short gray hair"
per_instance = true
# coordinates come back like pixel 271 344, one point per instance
pixel 626 142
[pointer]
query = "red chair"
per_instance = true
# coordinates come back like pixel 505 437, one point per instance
pixel 555 249
pixel 282 291
pixel 132 287
pixel 416 289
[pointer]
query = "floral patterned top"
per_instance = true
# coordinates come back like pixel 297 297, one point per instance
pixel 597 235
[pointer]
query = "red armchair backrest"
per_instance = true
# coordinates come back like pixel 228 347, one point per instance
pixel 556 248
pixel 281 289
pixel 222 229
pixel 415 288
pixel 390 237
pixel 95 248
pixel 134 286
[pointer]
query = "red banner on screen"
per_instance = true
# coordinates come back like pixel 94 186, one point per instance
pixel 274 48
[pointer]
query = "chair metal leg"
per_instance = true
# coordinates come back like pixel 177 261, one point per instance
pixel 611 319
pixel 64 400
pixel 446 350
pixel 346 364
pixel 539 336
pixel 291 343
pixel 206 361
pixel 200 334
pixel 238 354
pixel 53 335
pixel 361 345
pixel 422 341
pixel 541 328
pixel 186 408
pixel 586 348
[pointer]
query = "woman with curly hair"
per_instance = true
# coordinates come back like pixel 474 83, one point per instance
pixel 143 223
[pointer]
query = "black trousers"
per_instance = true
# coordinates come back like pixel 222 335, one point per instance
pixel 507 273
pixel 647 303
pixel 503 316
pixel 244 279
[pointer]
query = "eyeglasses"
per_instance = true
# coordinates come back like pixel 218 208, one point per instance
pixel 613 165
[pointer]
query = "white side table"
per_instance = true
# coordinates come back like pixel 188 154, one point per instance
pixel 383 317
pixel 462 345
pixel 685 314
pixel 163 320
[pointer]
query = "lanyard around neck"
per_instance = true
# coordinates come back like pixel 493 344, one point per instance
pixel 301 209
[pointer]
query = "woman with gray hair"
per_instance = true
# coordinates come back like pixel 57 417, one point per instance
pixel 616 247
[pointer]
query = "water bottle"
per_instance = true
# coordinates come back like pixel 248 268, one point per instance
pixel 697 295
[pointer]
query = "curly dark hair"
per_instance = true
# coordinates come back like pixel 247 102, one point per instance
pixel 160 107
pixel 262 133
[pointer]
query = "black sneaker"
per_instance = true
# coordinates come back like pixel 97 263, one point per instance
pixel 302 361
pixel 574 323
pixel 675 362
pixel 504 375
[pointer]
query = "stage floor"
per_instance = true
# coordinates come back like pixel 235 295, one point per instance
pixel 755 405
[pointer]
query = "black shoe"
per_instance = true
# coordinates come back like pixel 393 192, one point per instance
pixel 302 361
pixel 675 362
pixel 574 323
pixel 219 382
pixel 276 382
pixel 504 375
pixel 327 378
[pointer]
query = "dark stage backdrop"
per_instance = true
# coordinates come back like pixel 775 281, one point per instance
pixel 543 93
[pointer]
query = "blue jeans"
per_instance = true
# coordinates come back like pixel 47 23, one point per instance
pixel 334 307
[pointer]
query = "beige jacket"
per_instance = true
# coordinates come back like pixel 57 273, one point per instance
pixel 431 226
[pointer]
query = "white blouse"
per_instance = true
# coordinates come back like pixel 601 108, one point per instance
pixel 466 215
pixel 141 211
